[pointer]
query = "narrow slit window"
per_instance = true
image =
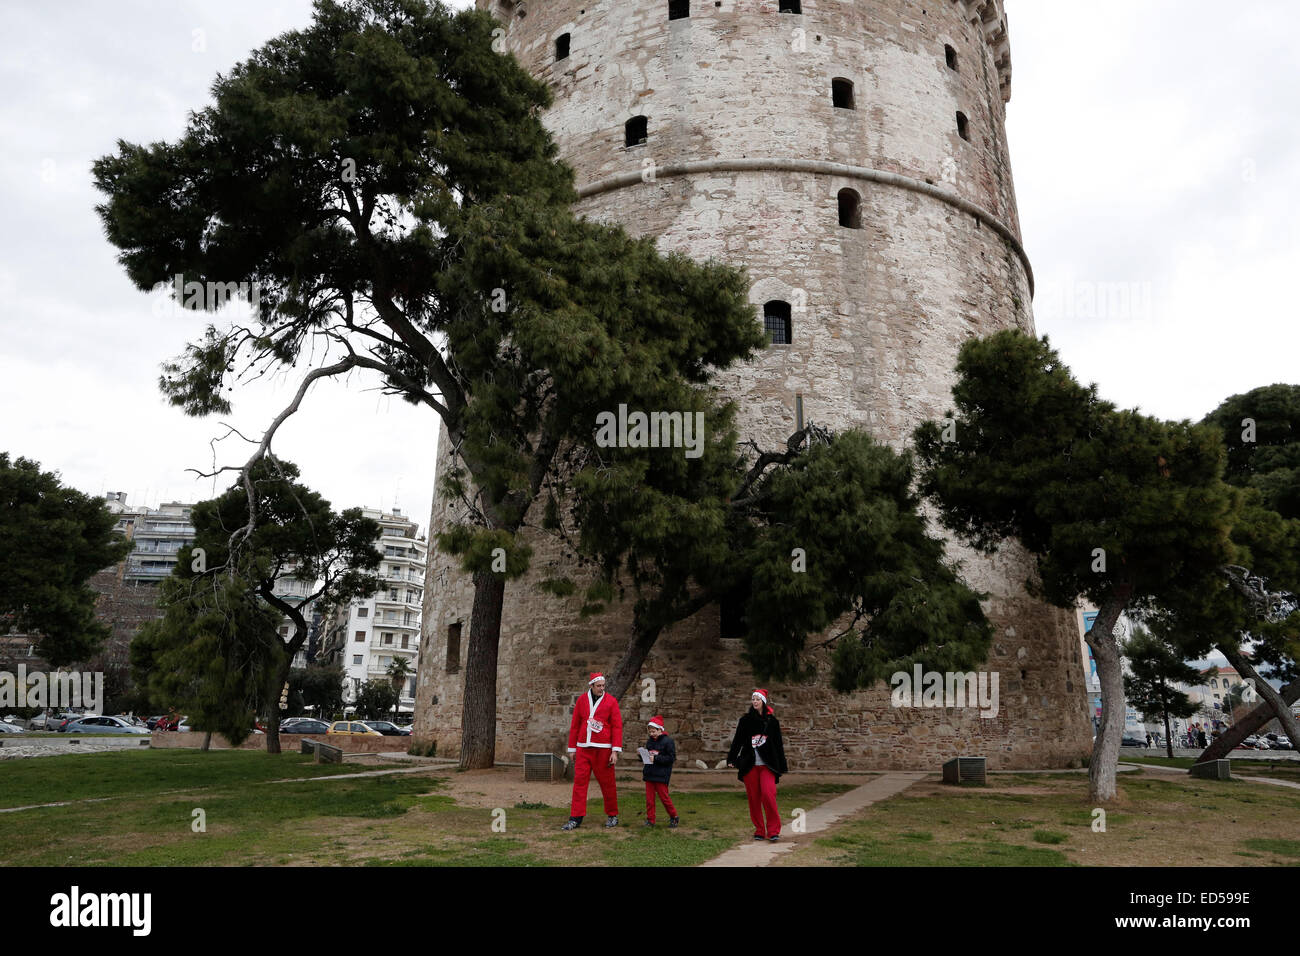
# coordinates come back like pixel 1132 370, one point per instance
pixel 776 322
pixel 950 54
pixel 453 648
pixel 842 93
pixel 850 209
pixel 635 131
pixel 562 47
pixel 963 125
pixel 789 6
pixel 679 9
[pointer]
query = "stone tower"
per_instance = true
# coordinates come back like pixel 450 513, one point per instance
pixel 852 155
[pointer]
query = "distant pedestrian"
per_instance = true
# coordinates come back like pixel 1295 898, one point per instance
pixel 658 772
pixel 1200 739
pixel 759 758
pixel 1148 741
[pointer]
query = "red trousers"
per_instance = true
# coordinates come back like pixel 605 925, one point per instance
pixel 659 790
pixel 760 787
pixel 586 761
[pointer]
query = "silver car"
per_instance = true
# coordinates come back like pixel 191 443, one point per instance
pixel 8 728
pixel 105 725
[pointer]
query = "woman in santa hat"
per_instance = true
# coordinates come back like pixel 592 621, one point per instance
pixel 759 757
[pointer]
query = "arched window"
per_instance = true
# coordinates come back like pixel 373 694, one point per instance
pixel 1214 682
pixel 776 322
pixel 850 209
pixel 842 93
pixel 562 47
pixel 789 6
pixel 635 131
pixel 950 54
pixel 679 9
pixel 963 125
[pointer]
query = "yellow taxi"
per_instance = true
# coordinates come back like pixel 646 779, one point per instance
pixel 351 728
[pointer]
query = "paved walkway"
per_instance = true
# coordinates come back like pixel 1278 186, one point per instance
pixel 819 818
pixel 1236 776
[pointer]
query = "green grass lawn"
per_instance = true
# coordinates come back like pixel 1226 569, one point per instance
pixel 144 772
pixel 1047 820
pixel 395 820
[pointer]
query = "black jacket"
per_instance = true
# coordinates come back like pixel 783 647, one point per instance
pixel 662 769
pixel 742 749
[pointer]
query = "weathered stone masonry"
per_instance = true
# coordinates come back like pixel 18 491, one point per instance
pixel 744 158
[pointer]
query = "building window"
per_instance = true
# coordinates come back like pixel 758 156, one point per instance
pixel 679 9
pixel 363 612
pixel 562 47
pixel 963 125
pixel 406 642
pixel 636 131
pixel 950 55
pixel 392 596
pixel 789 6
pixel 842 93
pixel 453 648
pixel 776 322
pixel 1214 682
pixel 388 637
pixel 850 209
pixel 361 635
pixel 356 660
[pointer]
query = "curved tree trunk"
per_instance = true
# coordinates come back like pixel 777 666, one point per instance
pixel 1280 708
pixel 273 708
pixel 207 742
pixel 633 657
pixel 478 727
pixel 1105 650
pixel 1248 724
pixel 1164 705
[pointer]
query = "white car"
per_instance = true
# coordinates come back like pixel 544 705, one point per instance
pixel 105 725
pixel 8 728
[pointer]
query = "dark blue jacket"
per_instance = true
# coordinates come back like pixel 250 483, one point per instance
pixel 662 769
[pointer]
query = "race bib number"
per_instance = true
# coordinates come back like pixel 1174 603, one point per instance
pixel 757 741
pixel 595 726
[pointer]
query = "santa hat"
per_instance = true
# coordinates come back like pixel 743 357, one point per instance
pixel 761 693
pixel 657 722
pixel 595 676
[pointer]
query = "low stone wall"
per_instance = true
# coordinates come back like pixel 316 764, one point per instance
pixel 289 743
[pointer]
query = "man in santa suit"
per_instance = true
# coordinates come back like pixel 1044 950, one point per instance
pixel 595 740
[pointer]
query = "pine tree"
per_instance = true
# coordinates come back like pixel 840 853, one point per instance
pixel 1117 507
pixel 385 179
pixel 1154 667
pixel 52 540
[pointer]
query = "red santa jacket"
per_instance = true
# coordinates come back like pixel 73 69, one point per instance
pixel 598 727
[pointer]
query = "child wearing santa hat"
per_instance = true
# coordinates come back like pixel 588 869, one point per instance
pixel 657 773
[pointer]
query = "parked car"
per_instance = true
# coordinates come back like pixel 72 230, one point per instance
pixel 1279 742
pixel 304 725
pixel 169 722
pixel 60 723
pixel 153 722
pixel 105 725
pixel 1132 742
pixel 387 728
pixel 8 728
pixel 1255 742
pixel 351 728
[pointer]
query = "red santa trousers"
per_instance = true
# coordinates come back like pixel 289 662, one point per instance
pixel 586 761
pixel 760 787
pixel 661 791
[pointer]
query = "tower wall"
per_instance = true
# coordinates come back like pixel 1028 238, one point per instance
pixel 744 160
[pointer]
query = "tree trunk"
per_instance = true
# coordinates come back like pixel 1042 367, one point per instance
pixel 1281 709
pixel 273 709
pixel 1248 724
pixel 478 722
pixel 207 742
pixel 633 657
pixel 1164 704
pixel 1105 650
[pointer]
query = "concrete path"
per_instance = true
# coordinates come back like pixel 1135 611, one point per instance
pixel 819 818
pixel 1237 775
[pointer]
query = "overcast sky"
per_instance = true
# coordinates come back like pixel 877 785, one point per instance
pixel 1154 145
